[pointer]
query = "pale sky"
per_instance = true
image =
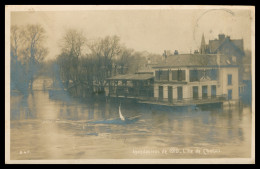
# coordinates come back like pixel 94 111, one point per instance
pixel 150 30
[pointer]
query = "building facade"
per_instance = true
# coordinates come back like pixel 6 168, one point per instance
pixel 196 78
pixel 232 48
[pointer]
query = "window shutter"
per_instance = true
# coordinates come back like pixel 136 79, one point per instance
pixel 179 75
pixel 174 75
pixel 183 75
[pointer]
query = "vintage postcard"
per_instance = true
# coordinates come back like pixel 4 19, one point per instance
pixel 130 84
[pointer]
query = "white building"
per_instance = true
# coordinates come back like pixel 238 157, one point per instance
pixel 196 77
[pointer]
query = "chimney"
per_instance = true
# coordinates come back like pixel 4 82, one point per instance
pixel 176 52
pixel 196 52
pixel 221 37
pixel 165 54
pixel 228 37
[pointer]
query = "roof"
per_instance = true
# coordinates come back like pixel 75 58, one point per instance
pixel 195 60
pixel 214 45
pixel 238 43
pixel 132 77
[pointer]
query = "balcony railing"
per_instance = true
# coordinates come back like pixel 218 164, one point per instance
pixel 186 101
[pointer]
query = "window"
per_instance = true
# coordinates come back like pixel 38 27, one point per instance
pixel 229 79
pixel 213 91
pixel 181 75
pixel 178 75
pixel 179 92
pixel 194 76
pixel 164 75
pixel 170 93
pixel 213 74
pixel 204 92
pixel 174 75
pixel 229 94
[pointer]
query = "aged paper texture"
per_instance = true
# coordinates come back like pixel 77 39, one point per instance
pixel 130 84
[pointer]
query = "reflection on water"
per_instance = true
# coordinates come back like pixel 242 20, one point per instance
pixel 42 128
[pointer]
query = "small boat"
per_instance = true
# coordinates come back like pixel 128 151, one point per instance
pixel 122 120
pixel 120 114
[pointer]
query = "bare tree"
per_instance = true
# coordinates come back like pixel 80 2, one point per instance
pixel 106 49
pixel 33 37
pixel 103 52
pixel 18 75
pixel 86 73
pixel 73 42
pixel 15 40
pixel 124 60
pixel 27 52
pixel 72 45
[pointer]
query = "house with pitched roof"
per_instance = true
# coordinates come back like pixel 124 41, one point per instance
pixel 223 45
pixel 232 48
pixel 184 79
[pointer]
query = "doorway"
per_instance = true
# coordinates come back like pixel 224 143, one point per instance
pixel 204 92
pixel 179 91
pixel 195 90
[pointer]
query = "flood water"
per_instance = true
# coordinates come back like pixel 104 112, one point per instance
pixel 44 128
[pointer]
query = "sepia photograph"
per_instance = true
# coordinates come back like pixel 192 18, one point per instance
pixel 147 84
